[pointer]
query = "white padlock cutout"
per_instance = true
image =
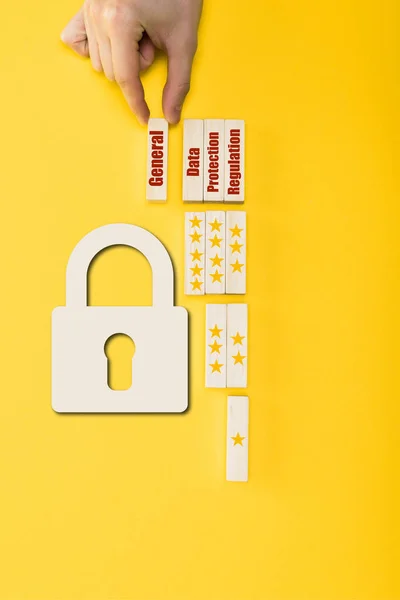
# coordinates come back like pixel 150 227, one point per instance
pixel 160 333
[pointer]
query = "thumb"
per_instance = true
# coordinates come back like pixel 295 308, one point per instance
pixel 180 62
pixel 74 35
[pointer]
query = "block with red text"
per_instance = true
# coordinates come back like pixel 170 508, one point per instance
pixel 237 345
pixel 193 161
pixel 214 166
pixel 216 345
pixel 237 439
pixel 236 252
pixel 234 161
pixel 194 253
pixel 157 159
pixel 215 252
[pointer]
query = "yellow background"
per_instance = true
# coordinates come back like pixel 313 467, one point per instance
pixel 136 507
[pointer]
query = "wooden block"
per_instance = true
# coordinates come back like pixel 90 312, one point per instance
pixel 216 345
pixel 236 252
pixel 234 161
pixel 237 447
pixel 194 253
pixel 157 159
pixel 193 160
pixel 215 252
pixel 237 345
pixel 214 164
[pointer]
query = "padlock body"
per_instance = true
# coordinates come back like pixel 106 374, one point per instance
pixel 159 365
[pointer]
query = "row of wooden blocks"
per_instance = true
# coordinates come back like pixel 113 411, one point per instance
pixel 215 252
pixel 226 345
pixel 213 160
pixel 237 439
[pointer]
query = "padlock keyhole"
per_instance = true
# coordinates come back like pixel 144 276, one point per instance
pixel 119 350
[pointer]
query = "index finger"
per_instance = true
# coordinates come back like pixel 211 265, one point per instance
pixel 126 64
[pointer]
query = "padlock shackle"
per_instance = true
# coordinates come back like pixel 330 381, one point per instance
pixel 120 234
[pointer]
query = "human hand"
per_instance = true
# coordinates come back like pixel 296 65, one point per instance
pixel 121 38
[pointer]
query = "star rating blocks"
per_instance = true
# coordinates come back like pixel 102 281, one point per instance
pixel 237 439
pixel 194 253
pixel 237 345
pixel 215 252
pixel 226 345
pixel 236 252
pixel 157 159
pixel 193 167
pixel 216 346
pixel 224 251
pixel 214 165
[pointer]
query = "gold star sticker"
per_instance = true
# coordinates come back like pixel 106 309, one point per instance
pixel 238 359
pixel 216 261
pixel 215 331
pixel 215 241
pixel 237 440
pixel 195 222
pixel 236 247
pixel 216 226
pixel 237 339
pixel 216 367
pixel 196 270
pixel 215 347
pixel 196 285
pixel 195 237
pixel 237 266
pixel 216 277
pixel 196 255
pixel 236 231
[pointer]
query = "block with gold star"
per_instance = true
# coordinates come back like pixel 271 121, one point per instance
pixel 236 252
pixel 237 332
pixel 195 231
pixel 215 252
pixel 237 435
pixel 216 357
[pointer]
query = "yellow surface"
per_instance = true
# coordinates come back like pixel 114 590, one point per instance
pixel 136 507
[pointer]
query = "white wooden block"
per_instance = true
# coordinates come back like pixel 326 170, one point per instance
pixel 234 161
pixel 237 345
pixel 236 239
pixel 193 160
pixel 214 164
pixel 237 447
pixel 195 225
pixel 215 252
pixel 216 345
pixel 157 159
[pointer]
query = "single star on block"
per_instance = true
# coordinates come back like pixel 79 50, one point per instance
pixel 238 440
pixel 196 270
pixel 215 241
pixel 236 247
pixel 196 284
pixel 215 226
pixel 196 255
pixel 217 261
pixel 216 276
pixel 237 266
pixel 196 237
pixel 196 222
pixel 215 331
pixel 215 347
pixel 216 367
pixel 238 359
pixel 236 231
pixel 238 339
